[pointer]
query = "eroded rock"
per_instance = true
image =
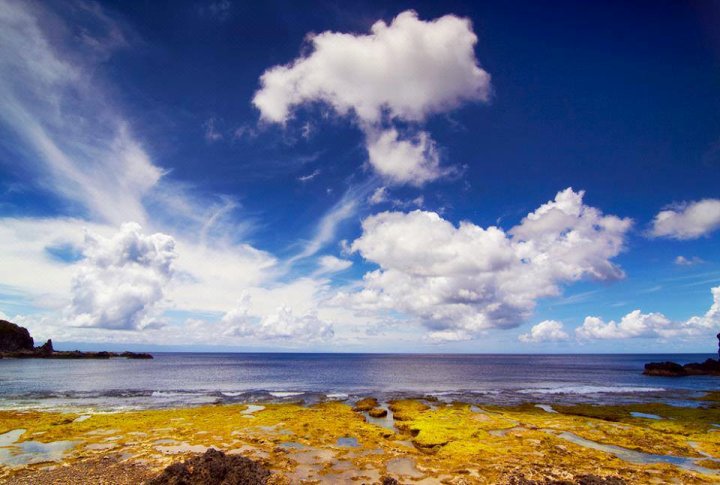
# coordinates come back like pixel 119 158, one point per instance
pixel 214 468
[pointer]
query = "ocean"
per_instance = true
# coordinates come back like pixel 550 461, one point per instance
pixel 183 379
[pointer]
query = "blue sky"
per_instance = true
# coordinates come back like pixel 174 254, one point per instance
pixel 369 177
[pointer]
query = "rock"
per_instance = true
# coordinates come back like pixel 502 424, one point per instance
pixel 365 404
pixel 664 369
pixel 710 367
pixel 378 412
pixel 14 338
pixel 214 468
pixel 388 481
pixel 46 348
pixel 578 480
pixel 136 355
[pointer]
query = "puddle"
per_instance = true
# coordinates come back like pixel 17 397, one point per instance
pixel 387 422
pixel 292 445
pixel 252 408
pixel 476 409
pixel 29 452
pixel 403 466
pixel 11 437
pixel 348 442
pixel 546 407
pixel 639 457
pixel 644 415
pixel 82 418
pixel 246 450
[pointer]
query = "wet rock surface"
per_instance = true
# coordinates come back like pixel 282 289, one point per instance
pixel 214 468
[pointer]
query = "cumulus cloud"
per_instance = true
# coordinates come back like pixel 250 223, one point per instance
pixel 545 331
pixel 121 281
pixel 689 220
pixel 461 280
pixel 407 70
pixel 651 325
pixel 414 161
pixel 282 324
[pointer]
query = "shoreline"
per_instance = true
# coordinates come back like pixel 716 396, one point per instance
pixel 419 441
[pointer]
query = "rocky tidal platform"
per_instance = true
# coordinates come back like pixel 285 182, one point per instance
pixel 331 442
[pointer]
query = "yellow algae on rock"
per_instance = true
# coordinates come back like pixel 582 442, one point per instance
pixel 457 443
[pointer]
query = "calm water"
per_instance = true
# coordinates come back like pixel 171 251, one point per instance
pixel 173 379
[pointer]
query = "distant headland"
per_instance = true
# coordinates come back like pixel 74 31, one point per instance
pixel 710 367
pixel 16 342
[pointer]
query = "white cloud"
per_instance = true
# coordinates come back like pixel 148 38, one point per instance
pixel 332 264
pixel 280 324
pixel 545 331
pixel 378 196
pixel 652 325
pixel 310 176
pixel 683 261
pixel 413 161
pixel 462 280
pixel 689 220
pixel 121 281
pixel 407 70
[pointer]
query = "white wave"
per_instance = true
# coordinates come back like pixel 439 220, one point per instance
pixel 285 394
pixel 233 394
pixel 337 395
pixel 590 390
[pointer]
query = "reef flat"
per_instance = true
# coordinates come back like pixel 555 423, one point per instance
pixel 418 441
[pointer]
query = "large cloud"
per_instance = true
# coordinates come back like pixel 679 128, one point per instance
pixel 406 70
pixel 689 220
pixel 545 331
pixel 281 324
pixel 122 279
pixel 649 325
pixel 461 280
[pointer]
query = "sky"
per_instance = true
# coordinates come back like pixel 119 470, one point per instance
pixel 495 177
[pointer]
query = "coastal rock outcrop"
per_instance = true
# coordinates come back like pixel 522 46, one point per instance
pixel 14 338
pixel 214 468
pixel 710 367
pixel 17 343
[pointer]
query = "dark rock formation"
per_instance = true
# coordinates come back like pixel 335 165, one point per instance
pixel 578 480
pixel 214 468
pixel 365 404
pixel 389 481
pixel 710 367
pixel 378 413
pixel 16 343
pixel 14 338
pixel 46 348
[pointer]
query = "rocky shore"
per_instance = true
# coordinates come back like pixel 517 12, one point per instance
pixel 17 343
pixel 427 441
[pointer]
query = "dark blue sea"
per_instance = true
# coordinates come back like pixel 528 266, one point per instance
pixel 181 379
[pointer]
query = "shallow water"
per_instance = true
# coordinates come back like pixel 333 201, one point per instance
pixel 635 414
pixel 28 452
pixel 640 457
